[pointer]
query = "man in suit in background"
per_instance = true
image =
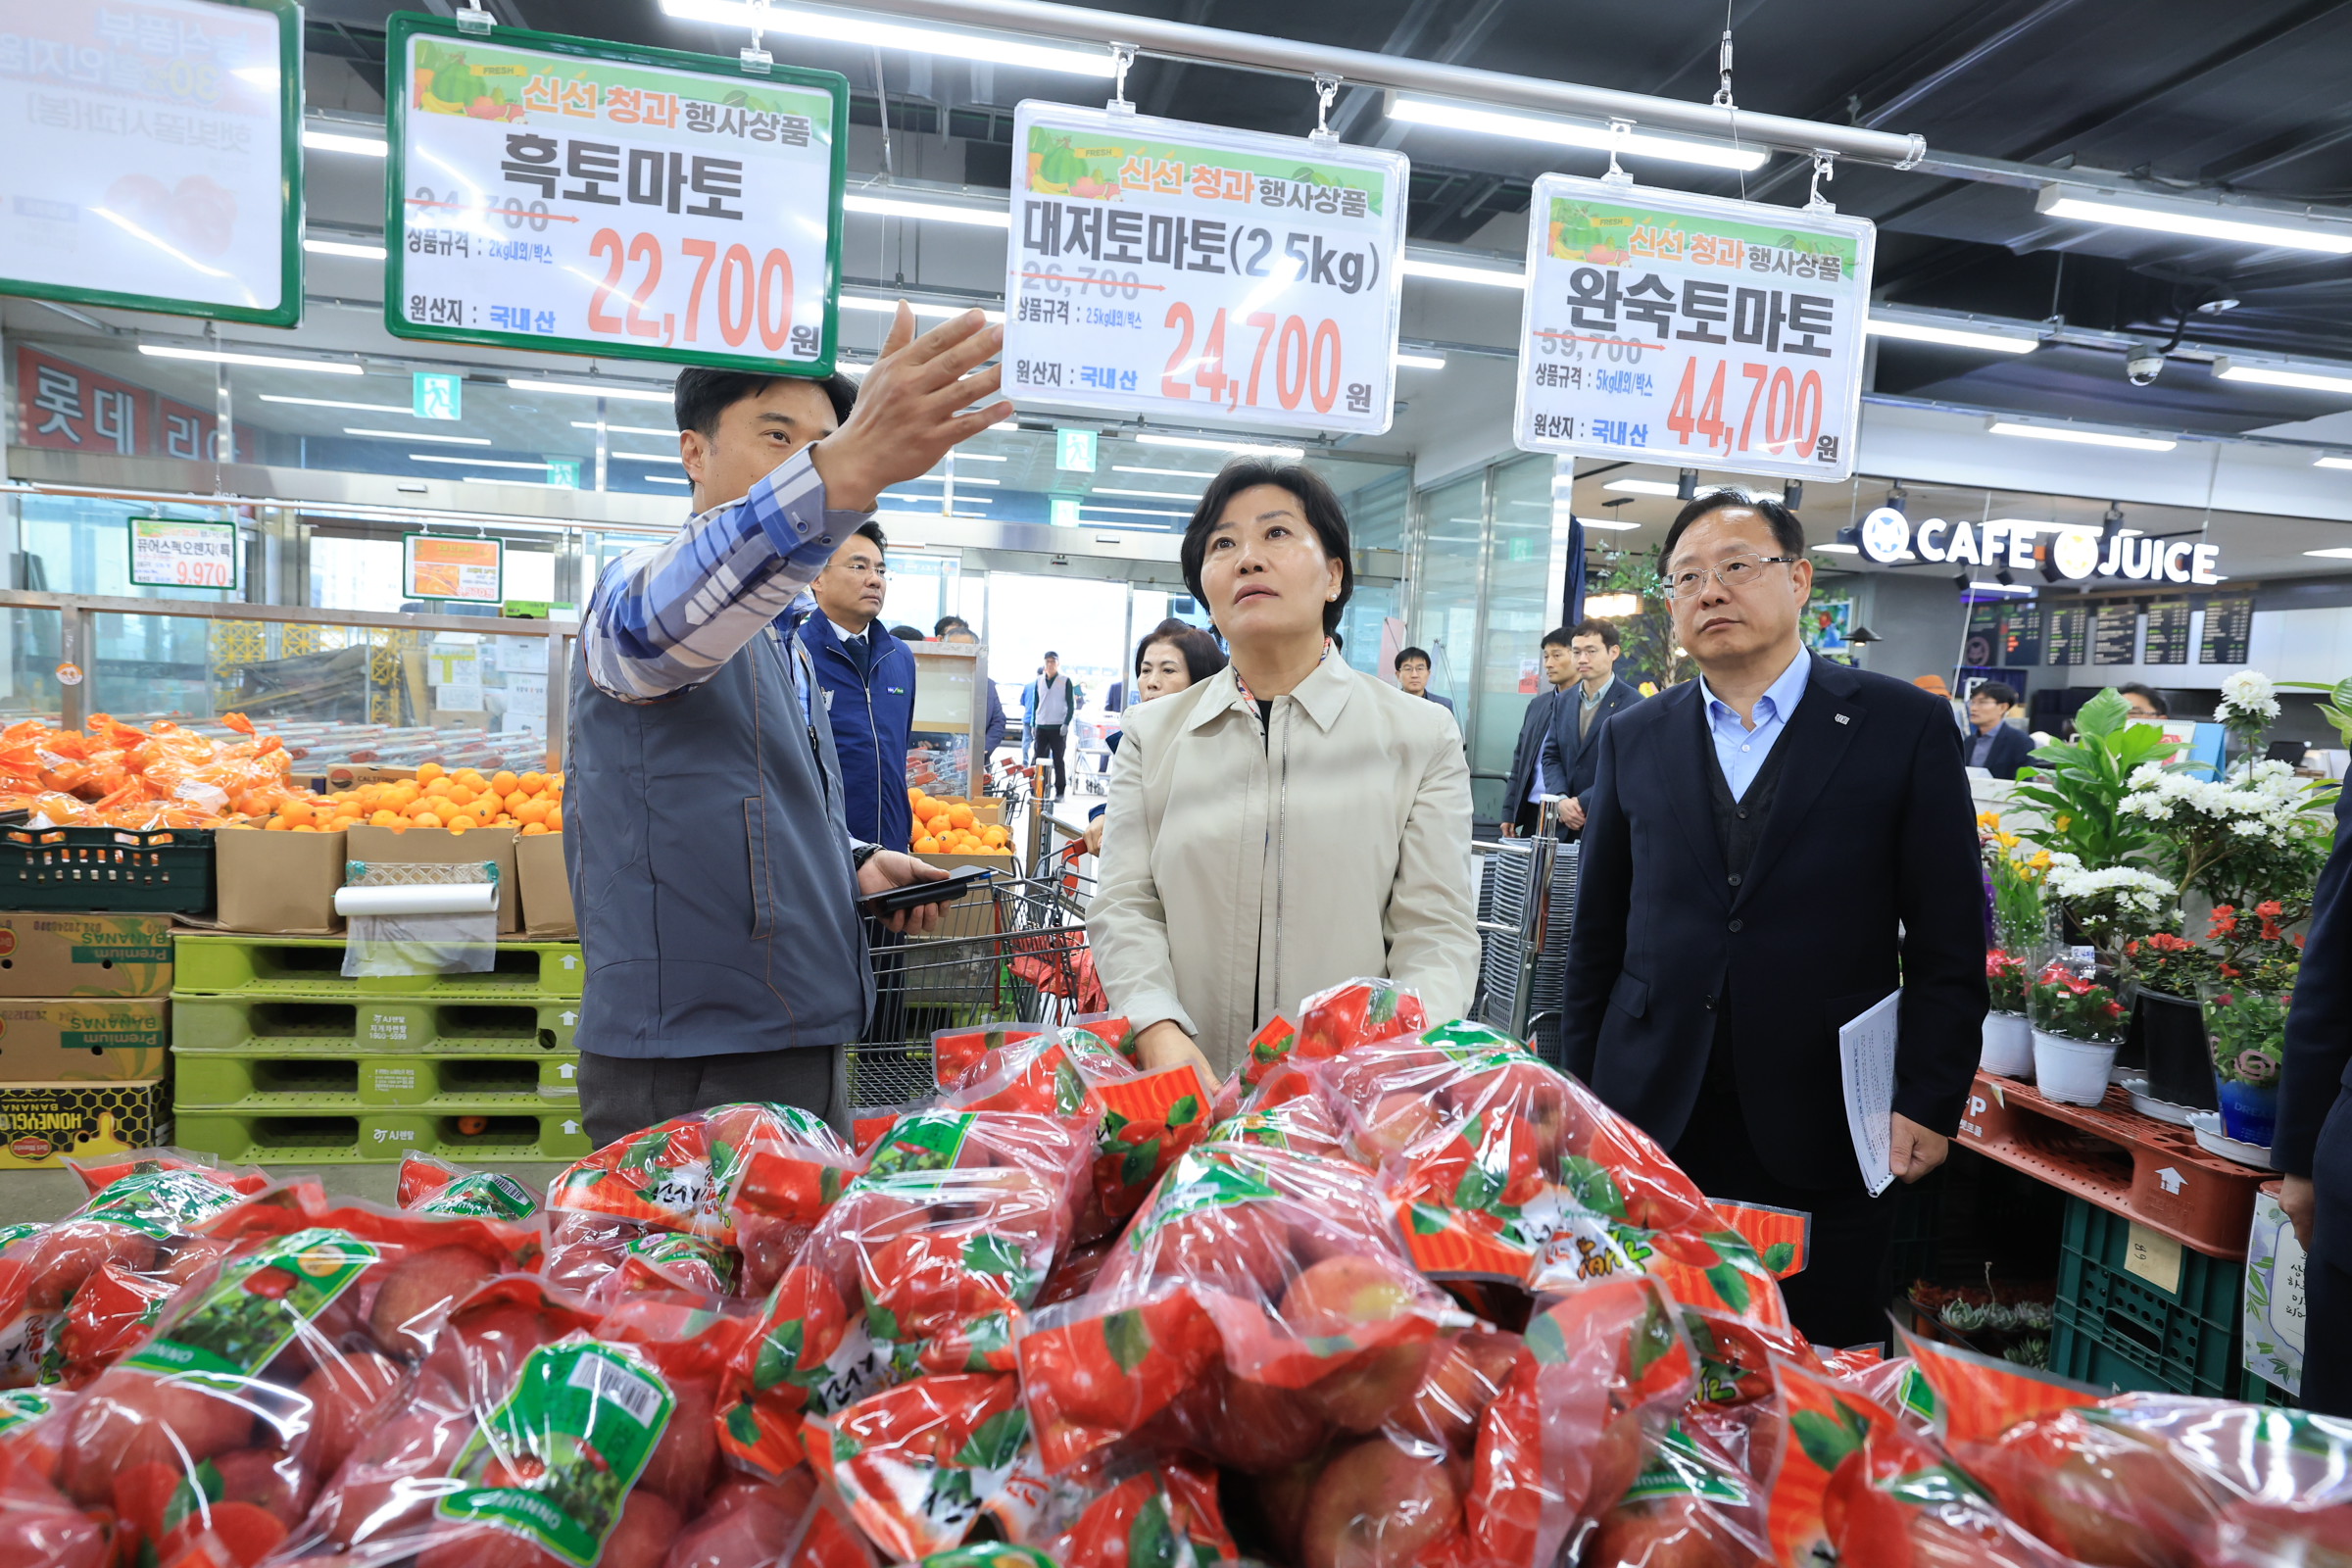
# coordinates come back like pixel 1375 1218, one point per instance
pixel 1529 783
pixel 1412 677
pixel 1572 751
pixel 1768 852
pixel 1994 744
pixel 2313 1146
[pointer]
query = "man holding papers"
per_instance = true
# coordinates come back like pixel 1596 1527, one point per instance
pixel 1769 852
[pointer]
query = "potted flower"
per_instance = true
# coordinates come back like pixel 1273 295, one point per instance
pixel 2246 1022
pixel 2112 905
pixel 2008 1035
pixel 2168 972
pixel 2016 932
pixel 2249 707
pixel 2077 1023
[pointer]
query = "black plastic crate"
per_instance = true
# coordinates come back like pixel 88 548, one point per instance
pixel 2115 1329
pixel 107 868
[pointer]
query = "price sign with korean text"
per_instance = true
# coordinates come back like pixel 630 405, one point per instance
pixel 1158 266
pixel 1693 330
pixel 565 195
pixel 182 552
pixel 154 160
pixel 447 567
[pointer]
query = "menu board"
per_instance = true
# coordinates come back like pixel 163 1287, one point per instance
pixel 2021 636
pixel 153 161
pixel 2070 634
pixel 2229 629
pixel 454 567
pixel 2168 632
pixel 2115 633
pixel 566 196
pixel 1981 649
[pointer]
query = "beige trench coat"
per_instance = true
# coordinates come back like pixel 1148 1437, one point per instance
pixel 1238 876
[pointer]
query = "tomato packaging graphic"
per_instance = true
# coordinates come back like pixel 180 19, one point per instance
pixel 432 1185
pixel 1690 1506
pixel 1299 1125
pixel 660 1177
pixel 1149 1120
pixel 1166 1514
pixel 959 1056
pixel 1352 1013
pixel 38 1527
pixel 914 1465
pixel 33 1426
pixel 2286 1476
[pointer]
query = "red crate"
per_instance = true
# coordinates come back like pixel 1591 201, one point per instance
pixel 2109 1154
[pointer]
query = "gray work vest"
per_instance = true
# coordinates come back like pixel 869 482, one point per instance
pixel 710 870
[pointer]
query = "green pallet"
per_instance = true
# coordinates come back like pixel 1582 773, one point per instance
pixel 359 1138
pixel 225 1081
pixel 313 966
pixel 2117 1329
pixel 296 1025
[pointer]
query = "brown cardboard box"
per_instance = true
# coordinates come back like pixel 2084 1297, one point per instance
pixel 973 914
pixel 41 1123
pixel 353 775
pixel 43 954
pixel 282 884
pixel 83 1039
pixel 438 845
pixel 545 886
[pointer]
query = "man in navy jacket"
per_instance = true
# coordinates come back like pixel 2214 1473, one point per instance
pixel 1994 744
pixel 2313 1146
pixel 868 680
pixel 1768 852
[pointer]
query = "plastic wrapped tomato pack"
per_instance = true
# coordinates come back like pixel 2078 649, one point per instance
pixel 1690 1506
pixel 915 1464
pixel 2285 1477
pixel 1166 1513
pixel 1354 1012
pixel 432 1185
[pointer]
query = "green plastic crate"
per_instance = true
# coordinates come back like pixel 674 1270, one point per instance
pixel 2115 1329
pixel 107 868
pixel 303 1025
pixel 359 1138
pixel 313 966
pixel 475 1082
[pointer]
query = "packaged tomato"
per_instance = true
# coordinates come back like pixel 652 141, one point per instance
pixel 1166 1513
pixel 1059 1151
pixel 915 1464
pixel 1691 1506
pixel 435 1186
pixel 958 1056
pixel 1853 1482
pixel 1335 1020
pixel 989 1554
pixel 266 1369
pixel 38 1527
pixel 750 1523
pixel 2286 1476
pixel 1114 1029
pixel 33 1426
pixel 1299 1125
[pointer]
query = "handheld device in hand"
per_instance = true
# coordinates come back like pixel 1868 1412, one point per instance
pixel 892 900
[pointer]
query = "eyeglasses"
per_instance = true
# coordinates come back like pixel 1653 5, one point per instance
pixel 1735 574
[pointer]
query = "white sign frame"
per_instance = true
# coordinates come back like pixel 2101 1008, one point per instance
pixel 206 526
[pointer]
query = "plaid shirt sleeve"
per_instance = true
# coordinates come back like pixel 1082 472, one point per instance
pixel 665 618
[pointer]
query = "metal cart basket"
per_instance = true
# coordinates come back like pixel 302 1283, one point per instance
pixel 1525 897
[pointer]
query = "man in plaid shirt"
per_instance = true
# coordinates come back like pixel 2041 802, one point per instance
pixel 714 880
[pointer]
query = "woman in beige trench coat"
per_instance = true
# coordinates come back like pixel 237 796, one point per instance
pixel 1287 823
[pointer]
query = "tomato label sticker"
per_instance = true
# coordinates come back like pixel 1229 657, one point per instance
pixel 257 1307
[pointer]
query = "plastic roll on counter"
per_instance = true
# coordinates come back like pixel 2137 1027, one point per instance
pixel 419 898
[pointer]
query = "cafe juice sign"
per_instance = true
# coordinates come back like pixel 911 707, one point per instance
pixel 2080 554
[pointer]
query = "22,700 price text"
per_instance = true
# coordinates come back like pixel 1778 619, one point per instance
pixel 1306 364
pixel 745 294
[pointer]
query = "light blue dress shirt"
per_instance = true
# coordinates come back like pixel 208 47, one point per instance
pixel 1740 750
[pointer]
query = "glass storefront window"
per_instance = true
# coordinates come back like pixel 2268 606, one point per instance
pixel 1519 594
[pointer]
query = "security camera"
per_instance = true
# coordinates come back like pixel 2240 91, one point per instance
pixel 2144 366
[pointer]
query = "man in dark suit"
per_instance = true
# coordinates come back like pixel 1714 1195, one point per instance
pixel 1527 781
pixel 2313 1145
pixel 1994 744
pixel 1768 852
pixel 1572 751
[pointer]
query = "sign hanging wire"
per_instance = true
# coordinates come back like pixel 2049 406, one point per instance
pixel 1122 56
pixel 1327 87
pixel 1825 170
pixel 474 20
pixel 1619 129
pixel 756 60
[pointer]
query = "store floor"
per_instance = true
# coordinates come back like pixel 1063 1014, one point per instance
pixel 50 1195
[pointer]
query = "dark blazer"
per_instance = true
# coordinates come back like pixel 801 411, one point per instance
pixel 1573 758
pixel 2011 747
pixel 2315 1091
pixel 1865 877
pixel 1534 725
pixel 873 717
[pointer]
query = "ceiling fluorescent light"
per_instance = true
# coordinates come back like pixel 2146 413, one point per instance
pixel 1137 511
pixel 2281 376
pixel 2082 438
pixel 1999 588
pixel 331 141
pixel 930 211
pixel 421 435
pixel 645 456
pixel 1839 549
pixel 2332 463
pixel 1645 487
pixel 1569 134
pixel 330 403
pixel 1455 273
pixel 1256 449
pixel 836 26
pixel 1147 495
pixel 1173 474
pixel 272 362
pixel 1950 336
pixel 2338 552
pixel 1612 525
pixel 472 462
pixel 343 247
pixel 961 456
pixel 663 478
pixel 589 389
pixel 1420 361
pixel 882 306
pixel 2195 219
pixel 622 429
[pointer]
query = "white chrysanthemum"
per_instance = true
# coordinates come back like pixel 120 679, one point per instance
pixel 2247 695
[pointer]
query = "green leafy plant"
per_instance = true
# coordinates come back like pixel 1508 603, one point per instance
pixel 1650 645
pixel 2078 786
pixel 2170 965
pixel 2336 708
pixel 2247 1030
pixel 2064 1003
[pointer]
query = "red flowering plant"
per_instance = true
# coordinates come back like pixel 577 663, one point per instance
pixel 2076 1007
pixel 2254 946
pixel 2005 976
pixel 2170 965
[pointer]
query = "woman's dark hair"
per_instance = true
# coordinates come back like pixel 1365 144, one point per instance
pixel 1324 515
pixel 1202 658
pixel 2147 694
pixel 1788 534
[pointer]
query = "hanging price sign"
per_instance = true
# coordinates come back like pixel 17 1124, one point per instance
pixel 182 552
pixel 1693 330
pixel 1159 266
pixel 560 194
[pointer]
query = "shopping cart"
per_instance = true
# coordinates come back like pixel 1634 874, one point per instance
pixel 1005 962
pixel 1526 896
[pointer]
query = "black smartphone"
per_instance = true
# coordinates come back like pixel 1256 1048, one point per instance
pixel 891 901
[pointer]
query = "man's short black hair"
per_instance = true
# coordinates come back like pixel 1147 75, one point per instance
pixel 1605 630
pixel 870 529
pixel 1559 637
pixel 908 634
pixel 700 394
pixel 2147 694
pixel 1997 691
pixel 1788 534
pixel 1404 654
pixel 948 623
pixel 1316 500
pixel 1050 653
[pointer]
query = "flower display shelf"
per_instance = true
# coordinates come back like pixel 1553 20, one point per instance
pixel 2109 1154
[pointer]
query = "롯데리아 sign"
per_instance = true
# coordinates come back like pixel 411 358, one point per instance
pixel 1164 268
pixel 560 194
pixel 182 552
pixel 153 161
pixel 446 566
pixel 1692 330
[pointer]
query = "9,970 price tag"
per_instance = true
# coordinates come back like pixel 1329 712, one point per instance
pixel 1693 330
pixel 587 199
pixel 1164 268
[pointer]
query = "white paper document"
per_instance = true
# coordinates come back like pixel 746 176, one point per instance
pixel 1865 1064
